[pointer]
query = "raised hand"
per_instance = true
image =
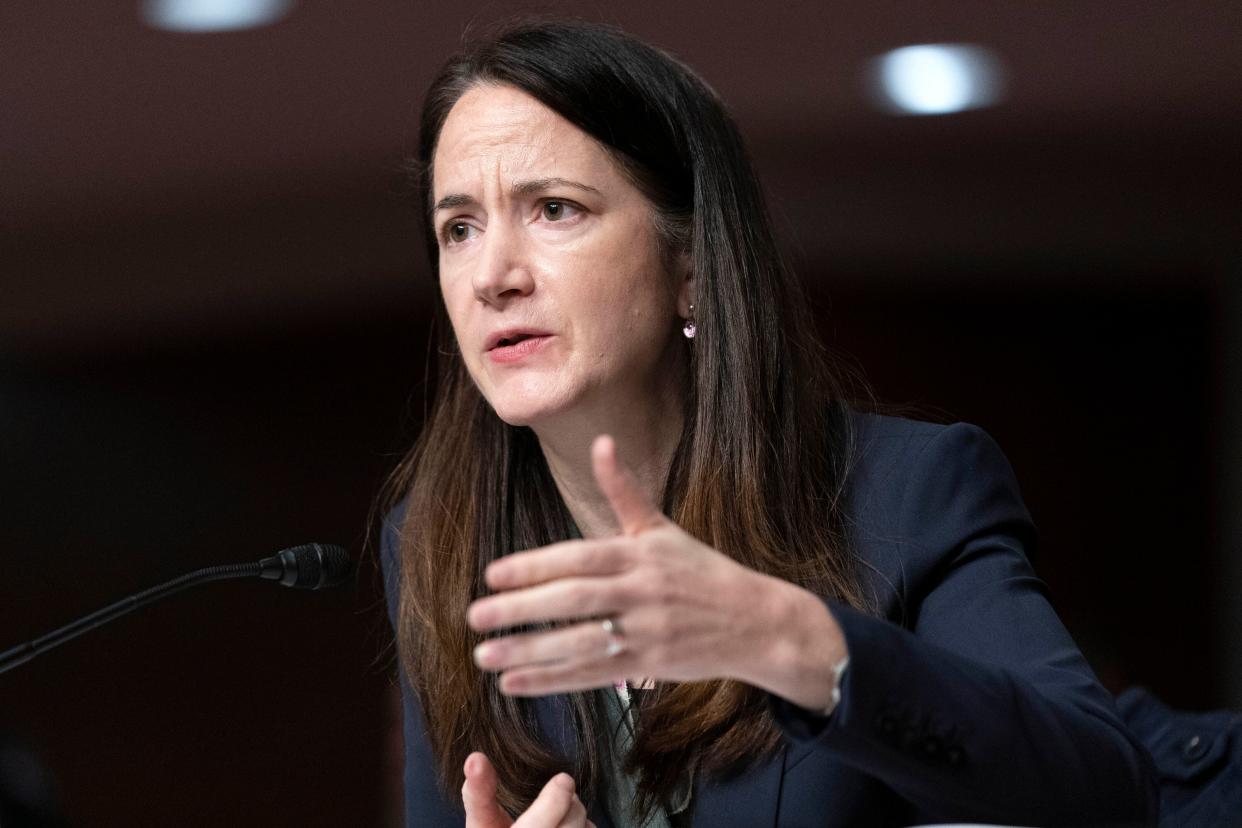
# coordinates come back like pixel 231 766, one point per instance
pixel 680 610
pixel 557 805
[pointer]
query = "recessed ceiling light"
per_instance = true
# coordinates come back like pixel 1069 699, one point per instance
pixel 212 15
pixel 936 79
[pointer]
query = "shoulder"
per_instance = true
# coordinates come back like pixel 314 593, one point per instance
pixel 882 441
pixel 920 492
pixel 893 456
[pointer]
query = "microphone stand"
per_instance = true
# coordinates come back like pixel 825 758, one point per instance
pixel 16 656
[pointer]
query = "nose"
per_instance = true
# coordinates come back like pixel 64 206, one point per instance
pixel 503 273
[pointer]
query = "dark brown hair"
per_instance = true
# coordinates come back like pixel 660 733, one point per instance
pixel 759 471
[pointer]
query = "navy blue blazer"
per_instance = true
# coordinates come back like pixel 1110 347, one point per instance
pixel 965 700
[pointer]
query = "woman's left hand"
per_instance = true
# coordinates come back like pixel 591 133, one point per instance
pixel 680 610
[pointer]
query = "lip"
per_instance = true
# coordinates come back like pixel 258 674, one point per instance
pixel 518 351
pixel 493 341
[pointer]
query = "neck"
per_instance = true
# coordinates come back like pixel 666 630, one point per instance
pixel 646 440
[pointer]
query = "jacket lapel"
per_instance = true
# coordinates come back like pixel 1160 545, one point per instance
pixel 749 798
pixel 556 723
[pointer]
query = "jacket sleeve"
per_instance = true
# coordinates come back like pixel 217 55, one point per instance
pixel 425 803
pixel 980 707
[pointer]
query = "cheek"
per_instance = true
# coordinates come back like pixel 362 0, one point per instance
pixel 627 334
pixel 612 289
pixel 458 307
pixel 454 303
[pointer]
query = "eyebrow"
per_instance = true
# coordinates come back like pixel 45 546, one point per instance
pixel 522 188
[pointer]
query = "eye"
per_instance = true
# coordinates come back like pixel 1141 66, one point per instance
pixel 456 232
pixel 559 210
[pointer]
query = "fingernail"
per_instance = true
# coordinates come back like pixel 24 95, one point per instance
pixel 487 655
pixel 565 781
pixel 477 616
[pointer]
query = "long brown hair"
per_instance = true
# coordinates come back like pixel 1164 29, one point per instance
pixel 759 471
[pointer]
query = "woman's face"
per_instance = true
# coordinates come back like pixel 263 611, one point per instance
pixel 549 264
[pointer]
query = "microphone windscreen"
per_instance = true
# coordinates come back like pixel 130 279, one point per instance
pixel 315 565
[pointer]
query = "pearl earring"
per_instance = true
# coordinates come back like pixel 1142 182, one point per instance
pixel 688 329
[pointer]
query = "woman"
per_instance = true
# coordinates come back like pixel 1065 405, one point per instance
pixel 767 608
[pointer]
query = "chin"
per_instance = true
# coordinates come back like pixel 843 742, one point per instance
pixel 521 415
pixel 514 416
pixel 527 406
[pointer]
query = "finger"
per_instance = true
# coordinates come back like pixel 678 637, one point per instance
pixel 560 600
pixel 559 560
pixel 552 804
pixel 550 679
pixel 588 641
pixel 478 794
pixel 576 817
pixel 633 508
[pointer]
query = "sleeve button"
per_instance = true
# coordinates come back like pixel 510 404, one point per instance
pixel 1195 748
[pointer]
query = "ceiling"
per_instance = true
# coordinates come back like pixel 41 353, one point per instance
pixel 157 186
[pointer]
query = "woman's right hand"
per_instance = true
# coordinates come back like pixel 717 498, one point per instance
pixel 557 806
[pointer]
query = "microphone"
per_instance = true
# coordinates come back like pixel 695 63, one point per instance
pixel 310 566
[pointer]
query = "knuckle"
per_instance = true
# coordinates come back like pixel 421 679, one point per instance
pixel 611 599
pixel 658 592
pixel 629 592
pixel 662 628
pixel 594 559
pixel 655 589
pixel 656 651
pixel 672 591
pixel 613 556
pixel 628 551
pixel 583 601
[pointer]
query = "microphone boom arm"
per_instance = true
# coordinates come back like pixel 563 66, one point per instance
pixel 22 653
pixel 309 566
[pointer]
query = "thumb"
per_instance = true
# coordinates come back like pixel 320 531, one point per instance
pixel 478 794
pixel 633 508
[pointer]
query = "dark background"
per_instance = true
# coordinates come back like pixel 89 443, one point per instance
pixel 213 310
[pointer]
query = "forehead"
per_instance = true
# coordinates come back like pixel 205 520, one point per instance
pixel 499 133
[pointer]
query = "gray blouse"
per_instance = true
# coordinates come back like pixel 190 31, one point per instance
pixel 623 787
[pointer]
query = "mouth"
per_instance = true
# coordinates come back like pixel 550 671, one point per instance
pixel 515 347
pixel 507 339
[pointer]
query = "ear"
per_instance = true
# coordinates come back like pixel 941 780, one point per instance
pixel 683 267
